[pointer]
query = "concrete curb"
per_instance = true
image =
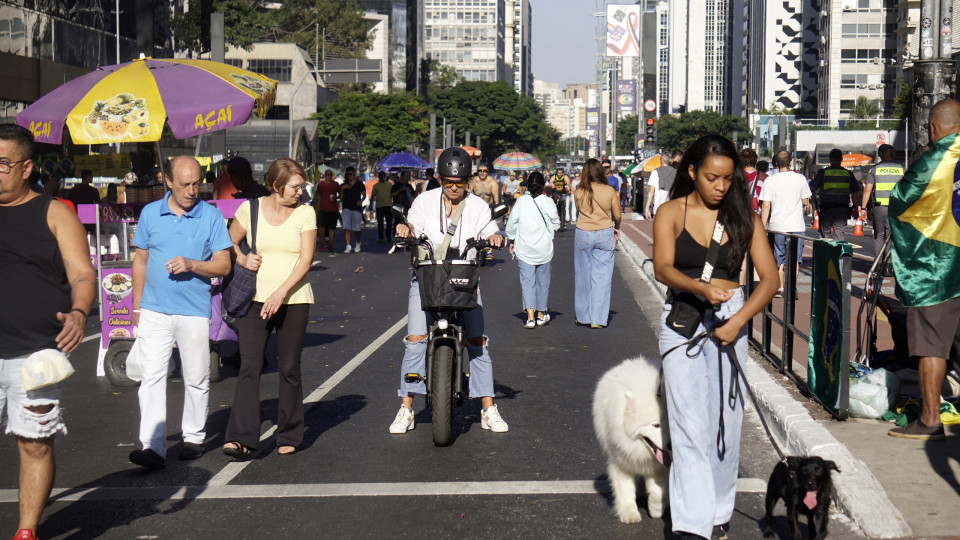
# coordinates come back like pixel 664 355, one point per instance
pixel 858 492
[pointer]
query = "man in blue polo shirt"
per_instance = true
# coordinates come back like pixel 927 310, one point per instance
pixel 181 243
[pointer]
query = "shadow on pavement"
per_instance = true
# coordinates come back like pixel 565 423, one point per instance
pixel 325 415
pixel 90 517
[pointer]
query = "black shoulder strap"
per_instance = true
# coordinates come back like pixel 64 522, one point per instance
pixel 712 252
pixel 254 218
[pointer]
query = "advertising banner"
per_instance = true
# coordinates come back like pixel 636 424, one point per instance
pixel 623 30
pixel 593 118
pixel 626 97
pixel 828 361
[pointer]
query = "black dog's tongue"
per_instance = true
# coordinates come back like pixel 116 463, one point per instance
pixel 810 500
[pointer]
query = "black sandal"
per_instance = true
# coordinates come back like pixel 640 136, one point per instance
pixel 237 451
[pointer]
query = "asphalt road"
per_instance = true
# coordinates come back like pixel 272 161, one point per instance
pixel 351 479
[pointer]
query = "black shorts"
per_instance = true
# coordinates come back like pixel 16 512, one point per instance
pixel 327 220
pixel 933 330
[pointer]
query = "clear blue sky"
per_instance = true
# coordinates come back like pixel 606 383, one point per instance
pixel 564 50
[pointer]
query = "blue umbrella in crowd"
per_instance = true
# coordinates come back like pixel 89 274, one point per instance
pixel 401 160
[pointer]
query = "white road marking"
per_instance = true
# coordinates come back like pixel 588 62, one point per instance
pixel 372 489
pixel 231 470
pixel 641 233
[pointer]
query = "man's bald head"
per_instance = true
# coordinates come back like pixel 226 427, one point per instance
pixel 186 166
pixel 944 119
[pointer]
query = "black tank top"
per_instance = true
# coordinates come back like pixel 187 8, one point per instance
pixel 689 256
pixel 33 282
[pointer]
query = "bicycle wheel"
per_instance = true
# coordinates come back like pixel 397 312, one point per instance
pixel 562 212
pixel 441 396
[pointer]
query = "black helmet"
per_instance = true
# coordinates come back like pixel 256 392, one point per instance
pixel 454 162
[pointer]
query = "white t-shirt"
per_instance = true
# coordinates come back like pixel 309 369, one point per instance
pixel 427 216
pixel 785 191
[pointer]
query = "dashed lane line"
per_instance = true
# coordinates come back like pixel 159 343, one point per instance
pixel 231 470
pixel 372 489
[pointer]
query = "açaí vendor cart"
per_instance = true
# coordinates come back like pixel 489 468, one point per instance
pixel 112 255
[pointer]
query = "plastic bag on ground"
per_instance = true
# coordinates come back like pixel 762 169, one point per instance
pixel 873 394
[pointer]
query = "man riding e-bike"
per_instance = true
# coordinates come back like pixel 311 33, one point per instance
pixel 431 215
pixel 560 184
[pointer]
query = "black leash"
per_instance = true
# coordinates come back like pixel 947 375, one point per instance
pixel 694 346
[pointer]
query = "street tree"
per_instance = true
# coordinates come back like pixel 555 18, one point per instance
pixel 627 134
pixel 374 124
pixel 249 21
pixel 505 120
pixel 677 132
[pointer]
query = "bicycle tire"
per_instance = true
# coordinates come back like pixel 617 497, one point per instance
pixel 562 212
pixel 441 396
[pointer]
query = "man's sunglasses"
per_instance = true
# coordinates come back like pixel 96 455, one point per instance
pixel 451 183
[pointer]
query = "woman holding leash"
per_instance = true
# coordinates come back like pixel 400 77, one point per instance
pixel 286 235
pixel 708 216
pixel 531 226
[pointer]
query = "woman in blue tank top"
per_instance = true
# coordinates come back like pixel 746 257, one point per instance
pixel 710 187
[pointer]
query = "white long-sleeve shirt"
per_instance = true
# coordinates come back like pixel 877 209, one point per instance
pixel 531 226
pixel 428 216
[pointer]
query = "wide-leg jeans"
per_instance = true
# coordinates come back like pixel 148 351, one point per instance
pixel 593 272
pixel 534 284
pixel 703 485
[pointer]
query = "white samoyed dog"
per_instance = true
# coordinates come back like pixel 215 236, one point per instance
pixel 631 425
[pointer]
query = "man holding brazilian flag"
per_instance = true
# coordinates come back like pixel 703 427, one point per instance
pixel 925 226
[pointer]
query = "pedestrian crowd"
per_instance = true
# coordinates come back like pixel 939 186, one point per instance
pixel 712 205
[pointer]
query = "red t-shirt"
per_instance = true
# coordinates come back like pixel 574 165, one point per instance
pixel 755 180
pixel 223 187
pixel 326 195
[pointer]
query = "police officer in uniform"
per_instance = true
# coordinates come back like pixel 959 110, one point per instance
pixel 835 187
pixel 876 191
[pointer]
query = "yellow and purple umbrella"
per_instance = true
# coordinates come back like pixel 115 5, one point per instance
pixel 130 102
pixel 516 161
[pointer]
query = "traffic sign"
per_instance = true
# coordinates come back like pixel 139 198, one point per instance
pixel 649 105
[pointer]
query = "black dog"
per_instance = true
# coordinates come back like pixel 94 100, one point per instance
pixel 804 485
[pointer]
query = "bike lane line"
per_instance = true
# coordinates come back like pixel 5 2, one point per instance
pixel 231 470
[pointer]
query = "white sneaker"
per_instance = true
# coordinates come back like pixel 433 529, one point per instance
pixel 543 320
pixel 404 421
pixel 349 249
pixel 530 324
pixel 490 419
pixel 357 249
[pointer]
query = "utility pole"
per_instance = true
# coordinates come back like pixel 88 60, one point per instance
pixel 935 74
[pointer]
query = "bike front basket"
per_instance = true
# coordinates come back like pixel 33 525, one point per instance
pixel 448 285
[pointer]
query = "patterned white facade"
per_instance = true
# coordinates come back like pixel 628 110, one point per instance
pixel 781 55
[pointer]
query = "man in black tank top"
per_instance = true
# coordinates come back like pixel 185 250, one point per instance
pixel 46 287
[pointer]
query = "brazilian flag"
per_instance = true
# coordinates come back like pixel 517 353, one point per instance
pixel 925 222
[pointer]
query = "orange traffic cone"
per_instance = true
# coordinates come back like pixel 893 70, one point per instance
pixel 816 220
pixel 858 226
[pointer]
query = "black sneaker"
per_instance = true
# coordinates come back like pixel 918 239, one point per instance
pixel 190 451
pixel 147 458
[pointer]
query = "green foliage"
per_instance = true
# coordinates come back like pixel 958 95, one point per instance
pixel 247 22
pixel 375 124
pixel 903 104
pixel 677 132
pixel 627 134
pixel 441 77
pixel 505 120
pixel 866 108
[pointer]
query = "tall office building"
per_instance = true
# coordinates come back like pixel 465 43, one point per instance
pixel 858 57
pixel 397 29
pixel 468 38
pixel 518 36
pixel 780 47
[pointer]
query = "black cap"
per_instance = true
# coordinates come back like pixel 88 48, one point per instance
pixel 836 153
pixel 884 148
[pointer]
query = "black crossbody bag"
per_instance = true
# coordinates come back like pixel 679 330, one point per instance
pixel 688 308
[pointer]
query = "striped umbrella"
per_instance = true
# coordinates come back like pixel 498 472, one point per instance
pixel 516 161
pixel 130 102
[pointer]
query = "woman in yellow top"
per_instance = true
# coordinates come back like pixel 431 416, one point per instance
pixel 286 234
pixel 598 229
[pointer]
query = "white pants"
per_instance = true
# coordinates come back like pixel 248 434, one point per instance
pixel 157 334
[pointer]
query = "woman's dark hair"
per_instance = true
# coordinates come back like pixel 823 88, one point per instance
pixel 735 212
pixel 111 197
pixel 592 173
pixel 535 183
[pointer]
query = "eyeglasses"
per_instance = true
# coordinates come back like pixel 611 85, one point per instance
pixel 296 187
pixel 451 183
pixel 7 166
pixel 481 170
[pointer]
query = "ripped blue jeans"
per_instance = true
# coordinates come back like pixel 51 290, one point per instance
pixel 415 353
pixel 15 402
